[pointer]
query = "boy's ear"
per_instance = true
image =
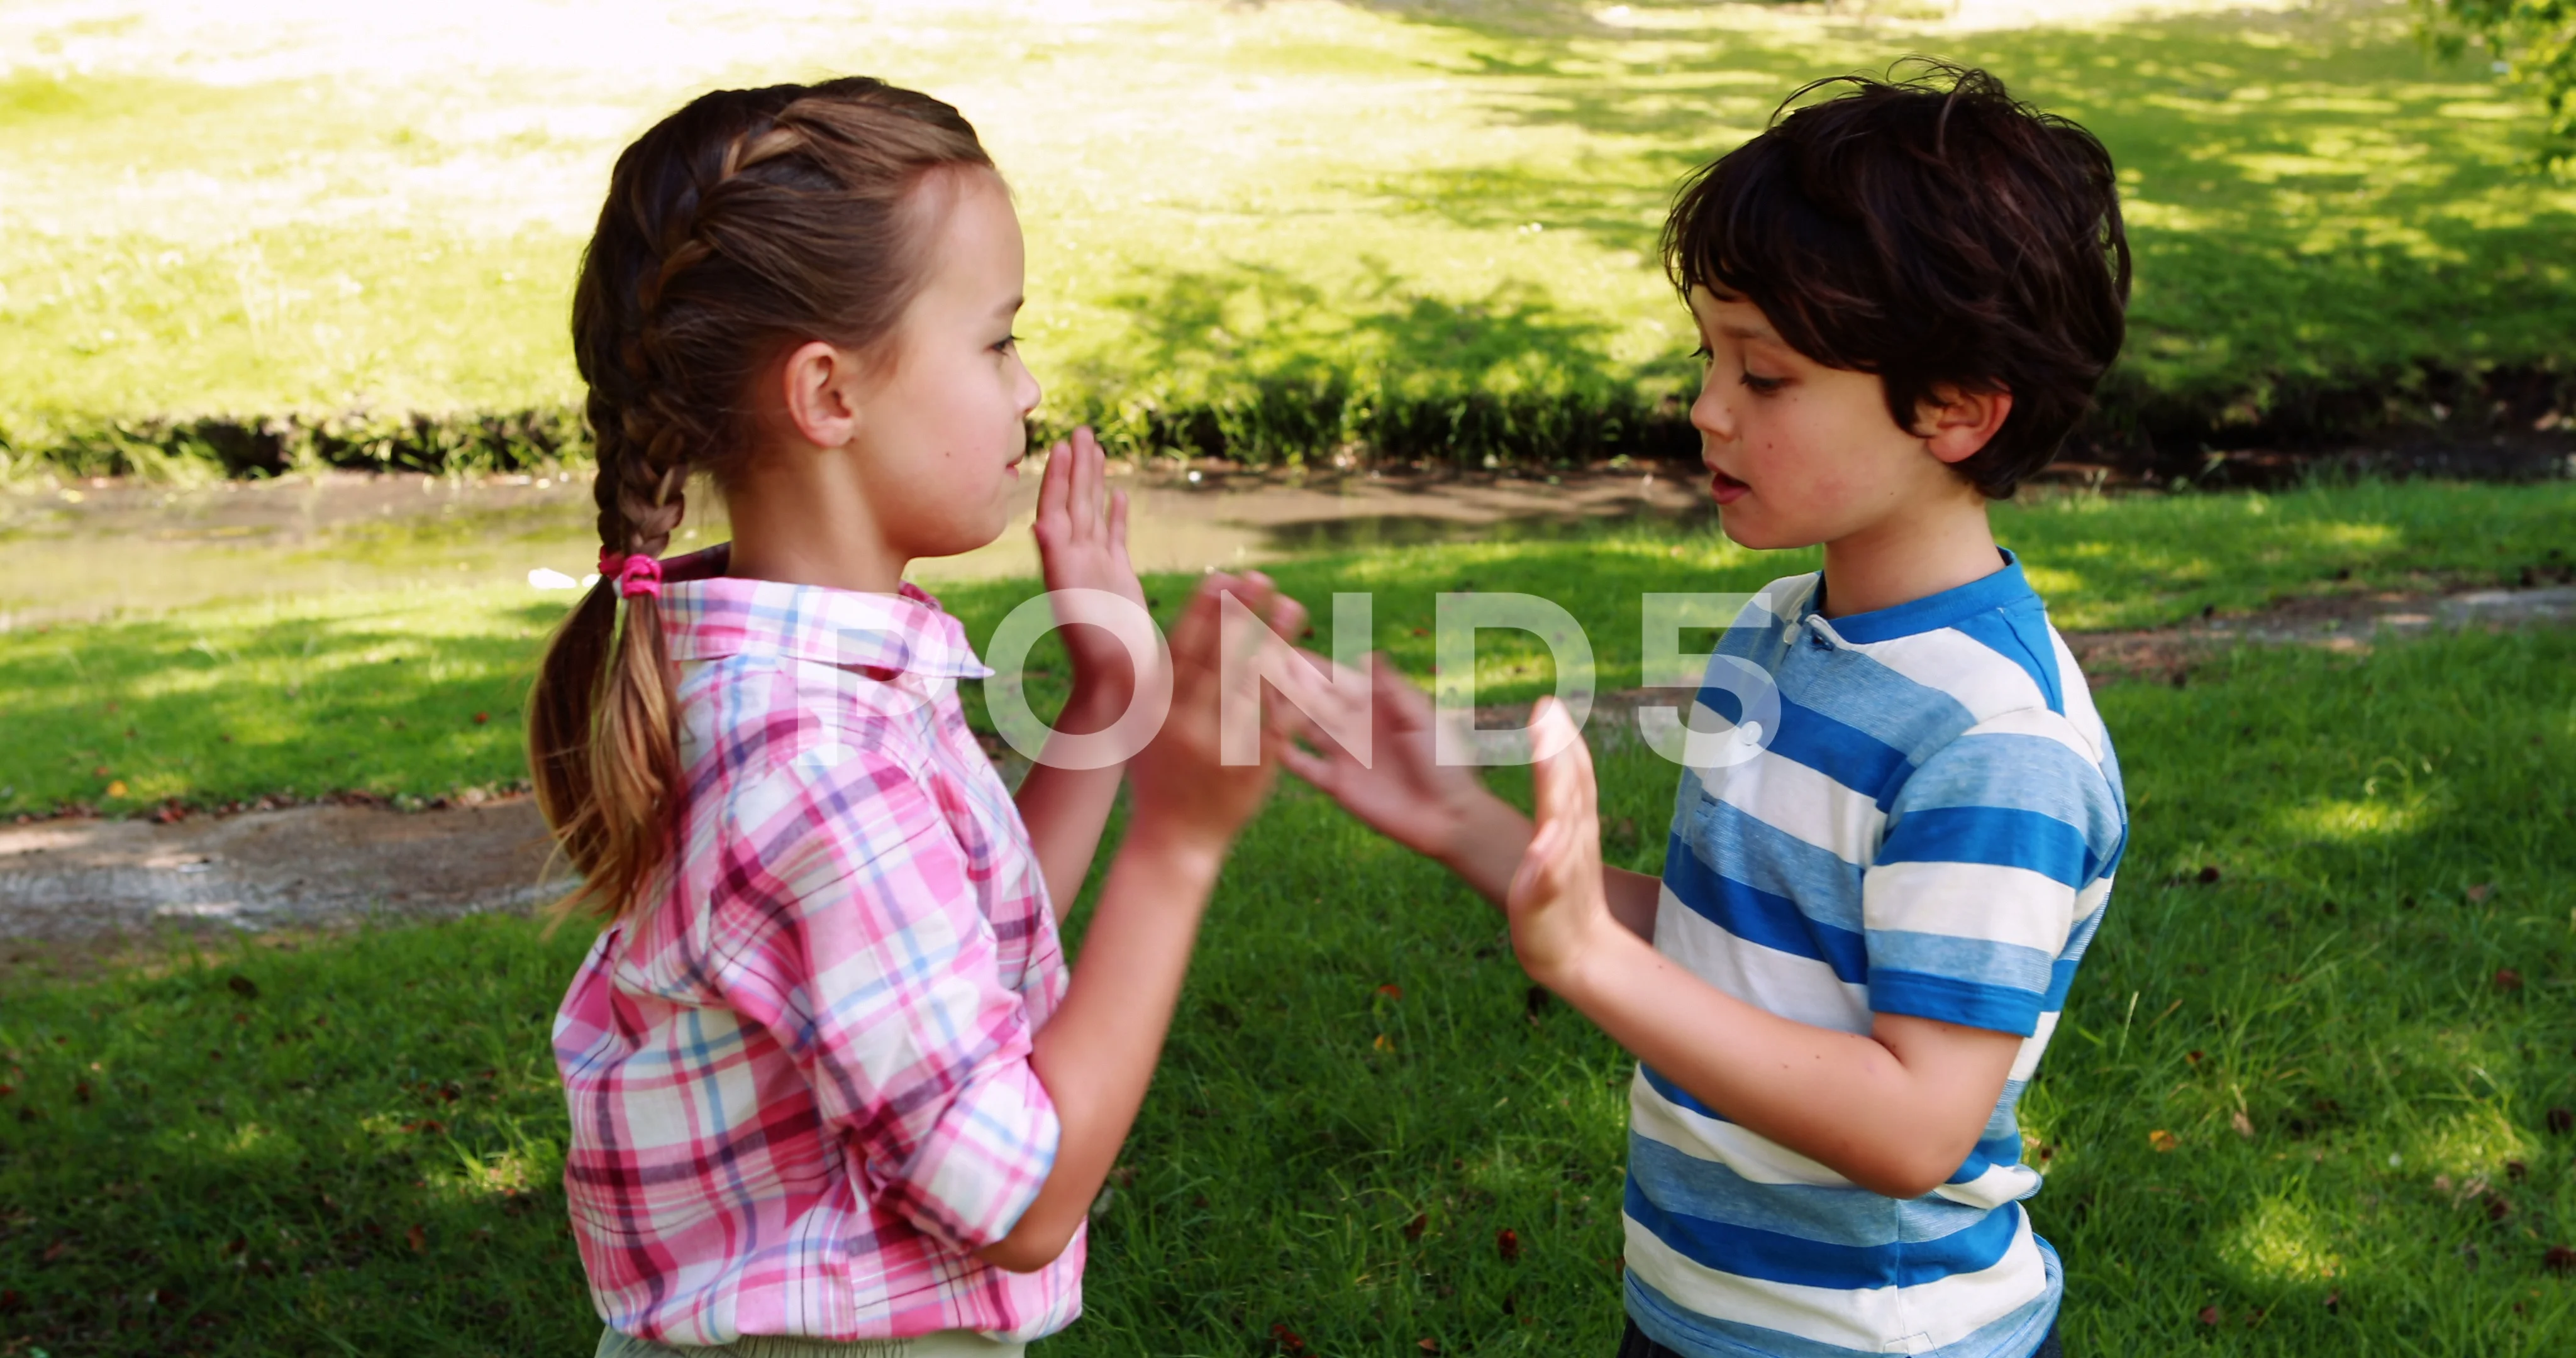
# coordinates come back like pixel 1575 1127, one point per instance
pixel 1955 423
pixel 818 385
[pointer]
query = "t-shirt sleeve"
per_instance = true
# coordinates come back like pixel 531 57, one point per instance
pixel 852 935
pixel 1990 846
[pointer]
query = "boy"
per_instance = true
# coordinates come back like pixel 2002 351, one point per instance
pixel 1864 931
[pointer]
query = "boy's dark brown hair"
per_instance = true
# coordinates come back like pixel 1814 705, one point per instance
pixel 746 223
pixel 1931 230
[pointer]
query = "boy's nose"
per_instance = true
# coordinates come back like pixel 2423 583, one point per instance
pixel 1710 416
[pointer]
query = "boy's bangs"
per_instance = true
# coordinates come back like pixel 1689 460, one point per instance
pixel 1740 228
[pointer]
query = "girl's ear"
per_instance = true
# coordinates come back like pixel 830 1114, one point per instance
pixel 818 384
pixel 1955 423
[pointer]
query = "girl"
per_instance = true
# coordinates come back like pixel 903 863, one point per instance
pixel 831 1086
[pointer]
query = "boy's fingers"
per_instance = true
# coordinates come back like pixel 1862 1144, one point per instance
pixel 1288 618
pixel 1118 525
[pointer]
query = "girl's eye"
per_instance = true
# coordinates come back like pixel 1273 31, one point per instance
pixel 1008 343
pixel 1702 353
pixel 1763 386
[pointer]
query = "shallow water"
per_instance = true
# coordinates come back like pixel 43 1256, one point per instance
pixel 106 550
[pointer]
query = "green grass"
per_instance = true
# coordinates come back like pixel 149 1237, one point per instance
pixel 2332 225
pixel 377 690
pixel 189 1165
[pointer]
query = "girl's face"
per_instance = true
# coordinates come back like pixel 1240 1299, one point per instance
pixel 1800 453
pixel 943 426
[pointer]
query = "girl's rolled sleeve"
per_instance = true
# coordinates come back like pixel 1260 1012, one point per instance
pixel 856 941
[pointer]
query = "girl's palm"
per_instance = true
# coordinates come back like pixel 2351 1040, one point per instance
pixel 1082 544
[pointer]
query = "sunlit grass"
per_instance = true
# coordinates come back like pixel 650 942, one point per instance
pixel 200 223
pixel 2283 1115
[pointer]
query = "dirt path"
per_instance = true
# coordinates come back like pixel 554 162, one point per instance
pixel 85 884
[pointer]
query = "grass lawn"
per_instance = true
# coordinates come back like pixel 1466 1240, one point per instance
pixel 2298 1105
pixel 343 215
pixel 415 691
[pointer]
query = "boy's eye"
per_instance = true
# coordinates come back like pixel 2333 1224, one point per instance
pixel 1007 344
pixel 1763 386
pixel 1702 352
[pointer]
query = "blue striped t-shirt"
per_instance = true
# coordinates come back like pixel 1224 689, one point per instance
pixel 1930 829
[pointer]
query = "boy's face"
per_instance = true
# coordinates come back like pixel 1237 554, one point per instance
pixel 1801 453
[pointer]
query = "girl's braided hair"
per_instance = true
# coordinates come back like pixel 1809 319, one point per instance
pixel 743 225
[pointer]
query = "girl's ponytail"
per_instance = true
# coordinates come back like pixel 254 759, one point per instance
pixel 745 224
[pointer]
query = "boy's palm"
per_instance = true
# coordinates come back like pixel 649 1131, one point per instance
pixel 1556 901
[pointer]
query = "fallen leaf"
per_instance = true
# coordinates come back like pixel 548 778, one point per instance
pixel 418 1238
pixel 1391 990
pixel 2244 1125
pixel 482 718
pixel 1427 1345
pixel 58 1249
pixel 1421 1222
pixel 1507 1243
pixel 117 788
pixel 2561 1120
pixel 2516 1171
pixel 2208 875
pixel 2559 1259
pixel 2498 1209
pixel 2334 1299
pixel 2193 1057
pixel 1536 1001
pixel 2506 978
pixel 80 1092
pixel 100 772
pixel 2480 892
pixel 2162 1140
pixel 2211 1315
pixel 1384 1045
pixel 1289 1340
pixel 243 986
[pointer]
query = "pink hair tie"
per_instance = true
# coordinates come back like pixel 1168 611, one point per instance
pixel 636 574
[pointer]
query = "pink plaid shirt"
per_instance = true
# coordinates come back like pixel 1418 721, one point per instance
pixel 799 1071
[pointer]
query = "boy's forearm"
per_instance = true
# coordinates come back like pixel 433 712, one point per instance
pixel 1096 1054
pixel 1844 1100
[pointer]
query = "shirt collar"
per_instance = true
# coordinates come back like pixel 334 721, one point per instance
pixel 1986 594
pixel 907 632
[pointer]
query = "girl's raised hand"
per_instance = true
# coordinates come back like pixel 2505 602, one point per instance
pixel 1556 901
pixel 1180 783
pixel 1082 544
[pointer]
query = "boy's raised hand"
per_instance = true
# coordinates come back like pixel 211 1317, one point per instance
pixel 1082 544
pixel 1558 908
pixel 1180 783
pixel 1404 792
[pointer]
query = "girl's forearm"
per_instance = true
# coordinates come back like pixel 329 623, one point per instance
pixel 1096 1054
pixel 1065 809
pixel 1488 851
pixel 1845 1100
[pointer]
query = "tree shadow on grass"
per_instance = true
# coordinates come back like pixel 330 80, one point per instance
pixel 2330 223
pixel 352 1147
pixel 1251 363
